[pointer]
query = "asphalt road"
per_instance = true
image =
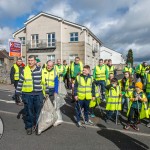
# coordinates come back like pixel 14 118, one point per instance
pixel 67 136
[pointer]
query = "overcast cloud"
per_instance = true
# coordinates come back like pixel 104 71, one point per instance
pixel 119 24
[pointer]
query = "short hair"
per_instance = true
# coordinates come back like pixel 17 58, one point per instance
pixel 109 60
pixel 48 61
pixel 114 80
pixel 32 56
pixel 64 61
pixel 19 58
pixel 101 59
pixel 77 58
pixel 105 60
pixel 87 67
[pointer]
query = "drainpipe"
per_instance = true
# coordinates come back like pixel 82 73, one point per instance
pixel 85 48
pixel 61 41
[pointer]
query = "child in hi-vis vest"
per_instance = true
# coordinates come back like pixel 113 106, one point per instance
pixel 113 100
pixel 137 107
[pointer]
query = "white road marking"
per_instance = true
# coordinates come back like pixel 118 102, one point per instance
pixel 7 101
pixel 94 127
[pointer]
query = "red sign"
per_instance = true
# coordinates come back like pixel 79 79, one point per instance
pixel 15 48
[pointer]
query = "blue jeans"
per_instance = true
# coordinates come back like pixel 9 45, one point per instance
pixel 102 85
pixel 125 102
pixel 32 107
pixel 83 104
pixel 110 114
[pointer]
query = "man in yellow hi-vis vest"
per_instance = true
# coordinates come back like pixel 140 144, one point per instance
pixel 15 72
pixel 100 75
pixel 31 88
pixel 84 92
pixel 60 69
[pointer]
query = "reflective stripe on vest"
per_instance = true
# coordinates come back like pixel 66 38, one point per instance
pixel 16 75
pixel 49 77
pixel 148 83
pixel 114 100
pixel 128 69
pixel 100 73
pixel 111 69
pixel 59 70
pixel 28 81
pixel 84 90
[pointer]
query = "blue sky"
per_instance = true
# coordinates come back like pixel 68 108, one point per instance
pixel 119 24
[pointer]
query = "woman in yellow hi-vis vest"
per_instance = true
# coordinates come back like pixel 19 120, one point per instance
pixel 138 108
pixel 113 100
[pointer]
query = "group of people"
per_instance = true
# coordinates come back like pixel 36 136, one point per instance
pixel 33 81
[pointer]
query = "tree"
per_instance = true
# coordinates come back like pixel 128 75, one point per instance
pixel 130 57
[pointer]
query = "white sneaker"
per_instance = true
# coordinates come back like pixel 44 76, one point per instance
pixel 89 122
pixel 59 122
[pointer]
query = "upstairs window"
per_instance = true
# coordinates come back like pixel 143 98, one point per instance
pixel 22 39
pixel 74 37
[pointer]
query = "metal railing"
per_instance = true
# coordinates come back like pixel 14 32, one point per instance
pixel 43 43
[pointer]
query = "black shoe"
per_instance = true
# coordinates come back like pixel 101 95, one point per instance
pixel 73 101
pixel 29 131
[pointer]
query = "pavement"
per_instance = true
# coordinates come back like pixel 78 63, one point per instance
pixel 67 136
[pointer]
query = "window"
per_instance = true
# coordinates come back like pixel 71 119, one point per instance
pixel 74 37
pixel 51 57
pixel 51 39
pixel 34 40
pixel 22 39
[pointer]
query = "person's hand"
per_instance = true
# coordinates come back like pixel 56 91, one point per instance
pixel 93 98
pixel 120 95
pixel 136 99
pixel 76 98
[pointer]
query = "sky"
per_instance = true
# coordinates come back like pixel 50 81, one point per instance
pixel 120 24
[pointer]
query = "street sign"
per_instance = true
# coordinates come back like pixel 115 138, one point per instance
pixel 15 49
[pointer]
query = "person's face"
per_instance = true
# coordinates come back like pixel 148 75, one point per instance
pixel 39 64
pixel 86 71
pixel 19 62
pixel 126 75
pixel 101 63
pixel 114 84
pixel 111 76
pixel 58 61
pixel 145 64
pixel 31 62
pixel 77 61
pixel 50 65
pixel 137 89
pixel 64 63
pixel 110 63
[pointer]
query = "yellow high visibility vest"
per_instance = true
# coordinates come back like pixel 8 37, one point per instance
pixel 28 81
pixel 66 68
pixel 59 70
pixel 141 70
pixel 128 69
pixel 107 82
pixel 144 110
pixel 72 68
pixel 113 100
pixel 49 77
pixel 97 98
pixel 84 90
pixel 100 73
pixel 148 83
pixel 16 75
pixel 111 69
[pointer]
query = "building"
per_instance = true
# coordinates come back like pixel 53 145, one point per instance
pixel 116 57
pixel 50 37
pixel 5 61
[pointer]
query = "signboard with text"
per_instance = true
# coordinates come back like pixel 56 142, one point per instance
pixel 15 49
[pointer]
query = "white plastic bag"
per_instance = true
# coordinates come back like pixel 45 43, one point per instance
pixel 61 89
pixel 59 102
pixel 47 117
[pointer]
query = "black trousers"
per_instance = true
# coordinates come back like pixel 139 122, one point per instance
pixel 16 96
pixel 133 116
pixel 66 81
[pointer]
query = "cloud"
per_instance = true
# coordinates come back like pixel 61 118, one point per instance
pixel 64 10
pixel 5 34
pixel 16 8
